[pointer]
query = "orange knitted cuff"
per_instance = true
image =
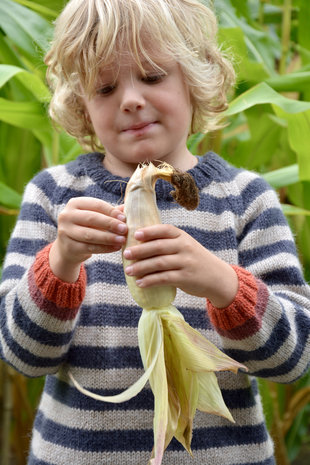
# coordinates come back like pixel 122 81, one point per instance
pixel 243 306
pixel 61 293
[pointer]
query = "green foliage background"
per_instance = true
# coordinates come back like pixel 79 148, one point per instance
pixel 268 131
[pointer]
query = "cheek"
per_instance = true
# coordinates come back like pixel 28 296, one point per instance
pixel 174 104
pixel 97 113
pixel 100 121
pixel 181 110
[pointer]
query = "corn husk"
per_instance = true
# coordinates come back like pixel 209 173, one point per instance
pixel 179 363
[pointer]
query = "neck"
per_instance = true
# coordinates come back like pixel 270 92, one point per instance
pixel 117 168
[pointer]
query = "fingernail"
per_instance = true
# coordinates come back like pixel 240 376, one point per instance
pixel 128 270
pixel 139 235
pixel 139 282
pixel 121 217
pixel 127 253
pixel 121 239
pixel 121 228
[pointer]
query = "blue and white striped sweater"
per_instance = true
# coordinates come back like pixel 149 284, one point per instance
pixel 240 220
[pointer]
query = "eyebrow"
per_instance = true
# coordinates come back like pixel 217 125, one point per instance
pixel 145 63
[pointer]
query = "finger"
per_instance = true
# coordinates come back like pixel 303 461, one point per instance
pixel 157 247
pixel 91 203
pixel 75 251
pixel 92 236
pixel 96 205
pixel 119 208
pixel 154 265
pixel 157 231
pixel 165 278
pixel 93 219
pixel 98 249
pixel 85 250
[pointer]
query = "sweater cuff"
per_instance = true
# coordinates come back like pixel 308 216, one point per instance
pixel 230 320
pixel 53 289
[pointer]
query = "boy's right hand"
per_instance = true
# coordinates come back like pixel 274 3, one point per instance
pixel 85 226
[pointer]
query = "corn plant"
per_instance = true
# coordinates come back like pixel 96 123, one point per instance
pixel 268 131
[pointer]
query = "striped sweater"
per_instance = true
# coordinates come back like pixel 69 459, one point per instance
pixel 48 326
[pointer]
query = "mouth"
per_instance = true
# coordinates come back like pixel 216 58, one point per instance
pixel 139 126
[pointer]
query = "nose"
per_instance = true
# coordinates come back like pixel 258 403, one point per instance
pixel 132 99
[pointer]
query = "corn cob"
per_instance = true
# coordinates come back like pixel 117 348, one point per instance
pixel 178 361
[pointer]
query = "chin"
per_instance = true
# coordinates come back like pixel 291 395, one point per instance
pixel 143 158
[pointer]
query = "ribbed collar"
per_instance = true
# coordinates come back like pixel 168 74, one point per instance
pixel 207 169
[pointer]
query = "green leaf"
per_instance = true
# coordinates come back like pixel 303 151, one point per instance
pixel 292 210
pixel 303 24
pixel 290 82
pixel 267 401
pixel 194 140
pixel 298 135
pixel 233 40
pixel 28 30
pixel 29 80
pixel 41 9
pixel 57 5
pixel 264 94
pixel 28 115
pixel 271 14
pixel 6 72
pixel 9 197
pixel 283 176
pixel 20 154
pixel 262 46
pixel 8 53
pixel 69 148
pixel 264 139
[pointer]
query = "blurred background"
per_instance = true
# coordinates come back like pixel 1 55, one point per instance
pixel 268 131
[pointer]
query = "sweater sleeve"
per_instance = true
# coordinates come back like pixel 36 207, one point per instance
pixel 38 311
pixel 267 326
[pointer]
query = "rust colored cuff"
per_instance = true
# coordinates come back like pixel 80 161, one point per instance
pixel 61 293
pixel 243 306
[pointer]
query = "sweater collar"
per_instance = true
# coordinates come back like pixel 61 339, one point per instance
pixel 91 165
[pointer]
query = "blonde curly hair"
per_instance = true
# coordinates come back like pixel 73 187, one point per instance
pixel 90 34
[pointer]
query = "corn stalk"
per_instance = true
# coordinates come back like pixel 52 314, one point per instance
pixel 286 32
pixel 7 409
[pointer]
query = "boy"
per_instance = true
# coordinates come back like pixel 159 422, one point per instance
pixel 136 77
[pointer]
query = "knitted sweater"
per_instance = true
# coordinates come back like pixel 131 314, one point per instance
pixel 48 326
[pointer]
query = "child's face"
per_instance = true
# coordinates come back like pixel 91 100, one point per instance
pixel 141 118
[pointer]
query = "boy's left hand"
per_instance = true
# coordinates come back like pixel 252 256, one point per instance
pixel 169 256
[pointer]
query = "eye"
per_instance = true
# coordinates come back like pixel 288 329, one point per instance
pixel 105 90
pixel 153 78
